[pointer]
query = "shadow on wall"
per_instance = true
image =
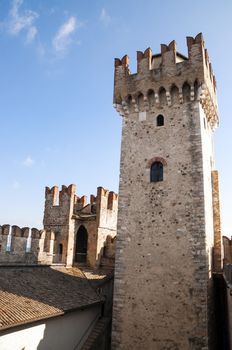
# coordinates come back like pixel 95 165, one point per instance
pixel 69 331
pixel 106 255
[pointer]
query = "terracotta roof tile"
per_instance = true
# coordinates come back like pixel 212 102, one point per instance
pixel 29 294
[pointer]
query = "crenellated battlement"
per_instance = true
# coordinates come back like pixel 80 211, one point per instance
pixel 55 197
pixel 106 199
pixel 98 216
pixel 24 245
pixel 64 213
pixel 80 202
pixel 165 79
pixel 59 205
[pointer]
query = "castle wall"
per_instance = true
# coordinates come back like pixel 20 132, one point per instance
pixel 217 223
pixel 24 246
pixel 165 229
pixel 208 164
pixel 59 207
pixel 64 213
pixel 91 228
pixel 107 209
pixel 3 238
pixel 160 227
pixel 102 222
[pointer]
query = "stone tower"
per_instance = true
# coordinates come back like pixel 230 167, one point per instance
pixel 168 239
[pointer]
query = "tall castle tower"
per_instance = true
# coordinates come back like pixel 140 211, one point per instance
pixel 168 240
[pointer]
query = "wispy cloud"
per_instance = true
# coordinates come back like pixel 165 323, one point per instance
pixel 28 162
pixel 31 34
pixel 63 38
pixel 105 17
pixel 22 21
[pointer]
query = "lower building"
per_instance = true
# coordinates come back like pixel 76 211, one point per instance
pixel 56 284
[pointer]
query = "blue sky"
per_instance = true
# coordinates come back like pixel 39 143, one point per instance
pixel 58 125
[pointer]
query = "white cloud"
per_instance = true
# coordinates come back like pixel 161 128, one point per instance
pixel 62 39
pixel 31 34
pixel 28 161
pixel 105 17
pixel 19 21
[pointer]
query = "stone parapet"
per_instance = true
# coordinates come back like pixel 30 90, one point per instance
pixel 167 78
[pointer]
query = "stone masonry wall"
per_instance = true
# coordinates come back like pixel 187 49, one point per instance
pixel 25 245
pixel 91 228
pixel 65 213
pixel 107 210
pixel 58 212
pixel 165 229
pixel 217 223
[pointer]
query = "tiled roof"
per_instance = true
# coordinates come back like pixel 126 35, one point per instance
pixel 28 294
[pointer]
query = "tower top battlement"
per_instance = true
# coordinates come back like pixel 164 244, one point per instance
pixel 163 72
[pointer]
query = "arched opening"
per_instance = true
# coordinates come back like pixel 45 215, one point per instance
pixel 81 245
pixel 160 120
pixel 162 97
pixel 186 92
pixel 174 94
pixel 151 97
pixel 156 173
pixel 140 100
pixel 196 86
pixel 129 102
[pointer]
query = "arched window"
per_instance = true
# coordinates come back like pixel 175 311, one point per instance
pixel 160 120
pixel 156 173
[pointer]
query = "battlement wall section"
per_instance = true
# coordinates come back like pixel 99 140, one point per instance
pixel 25 245
pixel 167 78
pixel 106 208
pixel 58 205
pixel 99 218
pixel 107 212
pixel 104 201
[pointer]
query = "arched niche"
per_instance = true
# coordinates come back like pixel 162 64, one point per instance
pixel 81 245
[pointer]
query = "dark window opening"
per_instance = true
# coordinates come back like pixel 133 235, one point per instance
pixel 156 172
pixel 160 120
pixel 60 249
pixel 81 245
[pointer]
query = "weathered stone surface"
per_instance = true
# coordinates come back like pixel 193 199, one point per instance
pixel 64 215
pixel 165 234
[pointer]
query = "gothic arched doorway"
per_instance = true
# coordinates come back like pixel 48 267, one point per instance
pixel 81 245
